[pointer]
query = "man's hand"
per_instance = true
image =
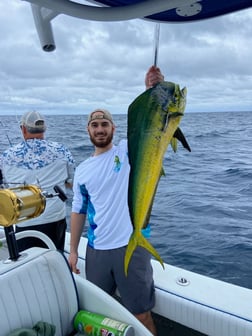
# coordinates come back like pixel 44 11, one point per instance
pixel 153 76
pixel 72 260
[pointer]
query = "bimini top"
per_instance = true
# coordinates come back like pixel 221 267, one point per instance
pixel 186 10
pixel 166 11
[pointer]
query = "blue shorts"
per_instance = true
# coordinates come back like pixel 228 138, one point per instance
pixel 105 268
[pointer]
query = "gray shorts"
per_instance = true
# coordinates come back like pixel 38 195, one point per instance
pixel 105 268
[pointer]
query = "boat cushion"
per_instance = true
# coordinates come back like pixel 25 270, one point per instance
pixel 37 287
pixel 40 329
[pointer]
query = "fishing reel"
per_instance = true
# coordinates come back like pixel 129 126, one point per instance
pixel 23 203
pixel 20 204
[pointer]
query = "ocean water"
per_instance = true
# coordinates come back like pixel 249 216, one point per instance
pixel 202 214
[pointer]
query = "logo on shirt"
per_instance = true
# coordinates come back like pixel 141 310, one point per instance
pixel 117 165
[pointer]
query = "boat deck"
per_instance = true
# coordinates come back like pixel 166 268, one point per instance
pixel 4 253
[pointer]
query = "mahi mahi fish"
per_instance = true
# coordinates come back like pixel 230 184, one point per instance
pixel 153 120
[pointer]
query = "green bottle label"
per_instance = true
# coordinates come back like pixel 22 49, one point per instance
pixel 92 324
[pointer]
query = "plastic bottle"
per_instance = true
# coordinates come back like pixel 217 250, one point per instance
pixel 92 324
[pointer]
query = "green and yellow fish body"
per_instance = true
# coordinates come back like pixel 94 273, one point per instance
pixel 153 119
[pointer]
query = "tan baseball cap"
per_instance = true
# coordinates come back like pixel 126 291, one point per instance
pixel 100 114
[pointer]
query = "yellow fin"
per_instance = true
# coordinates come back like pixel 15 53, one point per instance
pixel 174 144
pixel 137 239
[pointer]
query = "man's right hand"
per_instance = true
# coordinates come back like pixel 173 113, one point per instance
pixel 72 260
pixel 153 76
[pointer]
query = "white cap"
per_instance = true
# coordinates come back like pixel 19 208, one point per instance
pixel 34 122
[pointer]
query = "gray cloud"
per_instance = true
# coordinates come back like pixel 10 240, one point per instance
pixel 104 64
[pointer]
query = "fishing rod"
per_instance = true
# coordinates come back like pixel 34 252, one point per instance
pixel 1 174
pixel 6 134
pixel 156 43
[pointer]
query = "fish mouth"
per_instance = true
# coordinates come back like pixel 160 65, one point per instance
pixel 169 116
pixel 175 114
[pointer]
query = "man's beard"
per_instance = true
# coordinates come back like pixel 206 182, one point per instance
pixel 103 143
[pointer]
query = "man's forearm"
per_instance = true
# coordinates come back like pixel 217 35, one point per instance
pixel 76 228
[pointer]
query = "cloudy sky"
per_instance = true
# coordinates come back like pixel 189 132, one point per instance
pixel 100 64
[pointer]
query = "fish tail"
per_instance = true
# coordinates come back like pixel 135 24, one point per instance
pixel 139 240
pixel 147 245
pixel 129 251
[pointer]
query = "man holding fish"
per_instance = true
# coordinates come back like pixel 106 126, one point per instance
pixel 101 185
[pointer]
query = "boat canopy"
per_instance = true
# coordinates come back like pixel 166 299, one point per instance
pixel 165 11
pixel 184 11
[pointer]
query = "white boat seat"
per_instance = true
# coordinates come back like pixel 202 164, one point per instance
pixel 37 287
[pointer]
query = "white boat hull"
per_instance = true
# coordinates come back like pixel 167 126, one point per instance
pixel 187 303
pixel 209 306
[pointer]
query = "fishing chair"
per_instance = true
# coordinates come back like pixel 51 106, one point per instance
pixel 36 285
pixel 39 286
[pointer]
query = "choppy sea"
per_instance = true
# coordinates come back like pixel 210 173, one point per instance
pixel 202 214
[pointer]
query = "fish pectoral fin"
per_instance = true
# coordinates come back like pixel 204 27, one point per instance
pixel 180 136
pixel 162 173
pixel 174 144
